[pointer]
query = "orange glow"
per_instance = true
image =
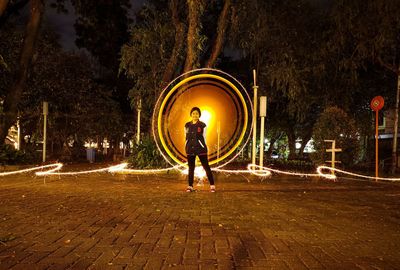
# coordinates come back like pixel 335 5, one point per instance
pixel 207 117
pixel 225 107
pixel 216 105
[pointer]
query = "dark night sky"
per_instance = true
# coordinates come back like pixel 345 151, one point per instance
pixel 63 24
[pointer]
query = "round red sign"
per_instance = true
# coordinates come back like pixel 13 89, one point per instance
pixel 377 103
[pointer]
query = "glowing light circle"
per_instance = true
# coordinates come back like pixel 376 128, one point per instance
pixel 226 109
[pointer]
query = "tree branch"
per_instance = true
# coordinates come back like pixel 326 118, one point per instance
pixel 10 9
pixel 387 66
pixel 219 40
pixel 179 38
pixel 3 6
pixel 195 11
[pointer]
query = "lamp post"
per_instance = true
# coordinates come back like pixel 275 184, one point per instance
pixel 18 135
pixel 45 113
pixel 255 88
pixel 263 114
pixel 139 109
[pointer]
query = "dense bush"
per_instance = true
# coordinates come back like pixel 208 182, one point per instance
pixel 335 124
pixel 10 156
pixel 146 155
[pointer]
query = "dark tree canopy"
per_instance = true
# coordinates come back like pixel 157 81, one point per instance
pixel 308 57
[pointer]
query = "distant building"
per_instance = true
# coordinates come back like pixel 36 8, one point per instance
pixel 386 124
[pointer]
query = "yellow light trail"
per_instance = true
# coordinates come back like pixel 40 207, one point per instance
pixel 330 176
pixel 207 113
pixel 111 169
pixel 57 166
pixel 53 169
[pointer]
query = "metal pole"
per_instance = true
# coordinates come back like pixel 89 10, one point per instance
pixel 218 136
pixel 376 146
pixel 45 113
pixel 333 156
pixel 255 87
pixel 18 136
pixel 138 122
pixel 262 143
pixel 396 127
pixel 263 114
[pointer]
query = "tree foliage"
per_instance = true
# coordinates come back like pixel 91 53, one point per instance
pixel 308 57
pixel 19 77
pixel 145 57
pixel 79 108
pixel 336 124
pixel 169 39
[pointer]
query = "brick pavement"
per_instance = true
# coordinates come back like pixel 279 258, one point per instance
pixel 148 222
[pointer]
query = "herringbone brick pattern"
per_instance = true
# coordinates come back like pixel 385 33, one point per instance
pixel 109 221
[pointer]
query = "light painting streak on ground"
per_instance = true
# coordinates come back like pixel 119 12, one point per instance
pixel 251 168
pixel 263 171
pixel 57 166
pixel 321 168
pixel 111 169
pixel 144 171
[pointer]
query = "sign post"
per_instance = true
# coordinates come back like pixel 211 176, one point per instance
pixel 333 150
pixel 263 114
pixel 376 105
pixel 45 113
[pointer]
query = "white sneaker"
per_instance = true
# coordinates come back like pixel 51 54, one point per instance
pixel 212 188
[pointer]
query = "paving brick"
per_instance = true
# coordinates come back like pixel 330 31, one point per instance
pixel 105 258
pixel 34 257
pixel 207 250
pixel 270 264
pixel 82 263
pixel 283 223
pixel 175 256
pixel 191 251
pixel 86 245
pixel 155 263
pixel 310 261
pixel 144 249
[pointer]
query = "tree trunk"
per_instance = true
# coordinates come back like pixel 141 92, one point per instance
pixel 219 40
pixel 178 45
pixel 271 147
pixel 194 14
pixel 396 126
pixel 14 94
pixel 292 144
pixel 304 142
pixel 3 6
pixel 274 138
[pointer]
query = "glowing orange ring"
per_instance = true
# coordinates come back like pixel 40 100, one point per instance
pixel 159 118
